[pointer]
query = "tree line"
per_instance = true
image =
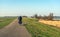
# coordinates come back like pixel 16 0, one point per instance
pixel 48 17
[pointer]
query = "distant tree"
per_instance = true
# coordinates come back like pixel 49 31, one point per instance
pixel 45 17
pixel 36 16
pixel 50 16
pixel 25 16
pixel 39 17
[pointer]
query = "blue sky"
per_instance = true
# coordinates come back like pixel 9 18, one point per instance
pixel 29 7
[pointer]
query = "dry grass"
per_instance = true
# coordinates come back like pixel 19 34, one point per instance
pixel 1 20
pixel 49 22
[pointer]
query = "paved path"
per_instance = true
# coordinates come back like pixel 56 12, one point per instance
pixel 14 30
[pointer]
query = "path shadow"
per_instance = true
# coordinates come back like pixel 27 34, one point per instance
pixel 23 24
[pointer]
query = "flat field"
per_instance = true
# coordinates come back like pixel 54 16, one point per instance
pixel 38 29
pixel 5 21
pixel 49 22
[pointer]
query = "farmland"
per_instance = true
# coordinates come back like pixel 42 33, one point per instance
pixel 38 29
pixel 51 22
pixel 5 21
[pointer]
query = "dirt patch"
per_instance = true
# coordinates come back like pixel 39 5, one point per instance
pixel 1 20
pixel 49 22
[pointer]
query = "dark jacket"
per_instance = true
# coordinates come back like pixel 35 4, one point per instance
pixel 20 19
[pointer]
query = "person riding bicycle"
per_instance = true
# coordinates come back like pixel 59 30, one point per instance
pixel 20 19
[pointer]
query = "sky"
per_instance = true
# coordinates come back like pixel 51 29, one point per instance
pixel 29 7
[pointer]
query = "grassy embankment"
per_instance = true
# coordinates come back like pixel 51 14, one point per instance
pixel 5 21
pixel 38 29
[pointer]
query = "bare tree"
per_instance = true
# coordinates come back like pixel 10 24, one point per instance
pixel 36 16
pixel 39 17
pixel 45 17
pixel 50 16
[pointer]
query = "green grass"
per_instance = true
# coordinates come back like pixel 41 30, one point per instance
pixel 5 21
pixel 38 29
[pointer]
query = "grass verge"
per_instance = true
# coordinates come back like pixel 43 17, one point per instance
pixel 38 29
pixel 5 21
